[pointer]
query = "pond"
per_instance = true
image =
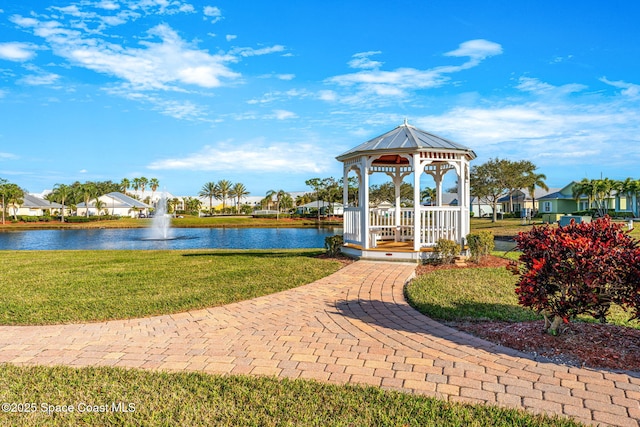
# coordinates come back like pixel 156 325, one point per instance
pixel 181 238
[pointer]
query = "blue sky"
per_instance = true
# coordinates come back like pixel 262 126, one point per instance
pixel 268 93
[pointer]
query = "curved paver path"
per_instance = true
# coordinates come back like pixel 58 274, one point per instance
pixel 353 326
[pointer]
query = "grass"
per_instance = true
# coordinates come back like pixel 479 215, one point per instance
pixel 49 287
pixel 512 226
pixel 196 399
pixel 480 294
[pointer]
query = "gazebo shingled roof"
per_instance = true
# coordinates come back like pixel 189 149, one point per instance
pixel 405 137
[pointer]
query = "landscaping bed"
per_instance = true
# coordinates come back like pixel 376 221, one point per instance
pixel 585 344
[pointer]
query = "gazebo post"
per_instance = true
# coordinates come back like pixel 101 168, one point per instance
pixel 364 190
pixel 417 217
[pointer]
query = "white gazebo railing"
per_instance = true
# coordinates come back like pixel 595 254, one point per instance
pixel 439 223
pixel 436 222
pixel 351 226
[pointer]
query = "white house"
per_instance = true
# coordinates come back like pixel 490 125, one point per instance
pixel 117 204
pixel 34 206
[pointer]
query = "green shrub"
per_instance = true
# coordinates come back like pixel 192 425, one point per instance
pixel 447 250
pixel 333 244
pixel 480 244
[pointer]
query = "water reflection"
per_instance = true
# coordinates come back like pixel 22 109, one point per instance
pixel 184 238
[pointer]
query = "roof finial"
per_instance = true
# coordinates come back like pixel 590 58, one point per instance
pixel 406 123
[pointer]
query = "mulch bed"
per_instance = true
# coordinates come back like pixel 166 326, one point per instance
pixel 582 344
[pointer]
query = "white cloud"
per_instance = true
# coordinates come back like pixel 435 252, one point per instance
pixel 535 86
pixel 16 51
pixel 230 37
pixel 83 171
pixel 40 79
pixel 579 132
pixel 213 12
pixel 252 156
pixel 247 51
pixel 7 156
pixel 373 82
pixel 362 60
pixel 476 49
pixel 286 76
pixel 161 63
pixel 628 89
pixel 284 114
pixel 108 5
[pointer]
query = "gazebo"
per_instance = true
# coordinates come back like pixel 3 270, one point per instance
pixel 397 232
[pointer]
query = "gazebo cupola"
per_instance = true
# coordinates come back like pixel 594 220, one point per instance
pixel 405 233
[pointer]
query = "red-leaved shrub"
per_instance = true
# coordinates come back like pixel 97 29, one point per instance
pixel 578 269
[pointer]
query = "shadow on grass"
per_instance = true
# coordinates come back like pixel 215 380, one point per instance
pixel 476 312
pixel 260 254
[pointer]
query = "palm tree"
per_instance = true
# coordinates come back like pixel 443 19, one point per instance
pixel 60 194
pixel 86 192
pixel 239 191
pixel 224 189
pixel 428 194
pixel 631 187
pixel 584 188
pixel 154 184
pixel 143 183
pixel 11 194
pixel 135 184
pixel 125 184
pixel 210 191
pixel 99 205
pixel 535 180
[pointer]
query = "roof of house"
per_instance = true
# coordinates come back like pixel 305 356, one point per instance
pixel 321 203
pixel 406 138
pixel 117 200
pixel 31 201
pixel 517 194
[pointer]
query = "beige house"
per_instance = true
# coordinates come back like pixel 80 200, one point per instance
pixel 34 206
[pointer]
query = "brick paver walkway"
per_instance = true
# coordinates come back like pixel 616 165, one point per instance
pixel 353 326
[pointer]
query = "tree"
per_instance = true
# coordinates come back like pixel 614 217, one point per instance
pixel 598 192
pixel 315 183
pixel 578 269
pixel 387 193
pixel 153 184
pixel 224 190
pixel 99 205
pixel 135 184
pixel 428 194
pixel 631 187
pixel 515 176
pixel 86 192
pixel 491 180
pixel 10 194
pixel 279 195
pixel 125 184
pixel 239 191
pixel 533 180
pixel 60 194
pixel 209 191
pixel 143 183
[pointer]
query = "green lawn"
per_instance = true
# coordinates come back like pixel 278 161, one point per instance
pixel 47 287
pixel 196 399
pixel 480 294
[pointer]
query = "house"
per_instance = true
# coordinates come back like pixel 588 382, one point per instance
pixel 34 206
pixel 326 208
pixel 478 208
pixel 116 204
pixel 521 199
pixel 563 202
